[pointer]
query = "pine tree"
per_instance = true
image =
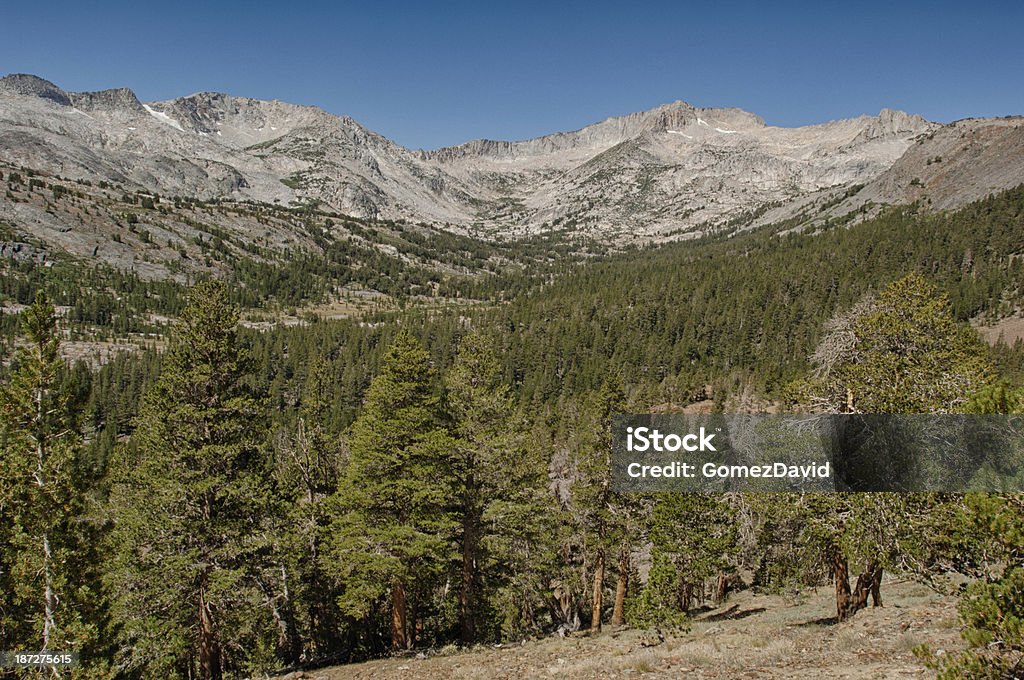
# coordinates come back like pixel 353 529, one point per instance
pixel 899 352
pixel 309 461
pixel 692 536
pixel 394 525
pixel 988 541
pixel 486 448
pixel 525 530
pixel 992 608
pixel 48 593
pixel 902 352
pixel 598 511
pixel 188 500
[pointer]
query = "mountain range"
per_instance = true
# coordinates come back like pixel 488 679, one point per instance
pixel 669 172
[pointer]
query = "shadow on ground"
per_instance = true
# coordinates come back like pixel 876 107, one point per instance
pixel 732 613
pixel 824 621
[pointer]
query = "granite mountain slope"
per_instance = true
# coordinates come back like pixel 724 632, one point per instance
pixel 656 174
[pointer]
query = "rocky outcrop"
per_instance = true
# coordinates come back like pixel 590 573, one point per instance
pixel 118 99
pixel 22 252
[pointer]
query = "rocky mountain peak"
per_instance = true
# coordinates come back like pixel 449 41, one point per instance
pixel 889 123
pixel 117 99
pixel 898 121
pixel 201 111
pixel 238 122
pixel 28 85
pixel 671 117
pixel 665 117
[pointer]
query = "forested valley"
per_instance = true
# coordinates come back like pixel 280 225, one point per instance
pixel 230 500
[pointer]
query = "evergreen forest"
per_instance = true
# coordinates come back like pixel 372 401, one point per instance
pixel 226 498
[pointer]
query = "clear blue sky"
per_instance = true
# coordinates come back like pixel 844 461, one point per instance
pixel 429 74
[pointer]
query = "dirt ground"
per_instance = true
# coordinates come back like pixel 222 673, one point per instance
pixel 750 636
pixel 1010 330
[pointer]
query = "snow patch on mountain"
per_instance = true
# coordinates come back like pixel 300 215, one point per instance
pixel 163 117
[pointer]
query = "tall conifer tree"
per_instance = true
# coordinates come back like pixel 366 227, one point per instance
pixel 188 502
pixel 309 460
pixel 598 510
pixel 48 597
pixel 481 408
pixel 394 524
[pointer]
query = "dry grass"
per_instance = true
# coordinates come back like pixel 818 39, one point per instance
pixel 751 636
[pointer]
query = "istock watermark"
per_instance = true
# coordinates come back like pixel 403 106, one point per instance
pixel 828 453
pixel 640 439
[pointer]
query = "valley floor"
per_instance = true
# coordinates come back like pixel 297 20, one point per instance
pixel 750 636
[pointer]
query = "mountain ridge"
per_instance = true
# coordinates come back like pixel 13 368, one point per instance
pixel 663 173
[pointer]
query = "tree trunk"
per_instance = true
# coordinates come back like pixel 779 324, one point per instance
pixel 49 596
pixel 291 641
pixel 726 584
pixel 861 590
pixel 841 574
pixel 869 583
pixel 209 652
pixel 685 596
pixel 621 588
pixel 595 612
pixel 564 607
pixel 323 621
pixel 469 547
pixel 324 628
pixel 399 639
